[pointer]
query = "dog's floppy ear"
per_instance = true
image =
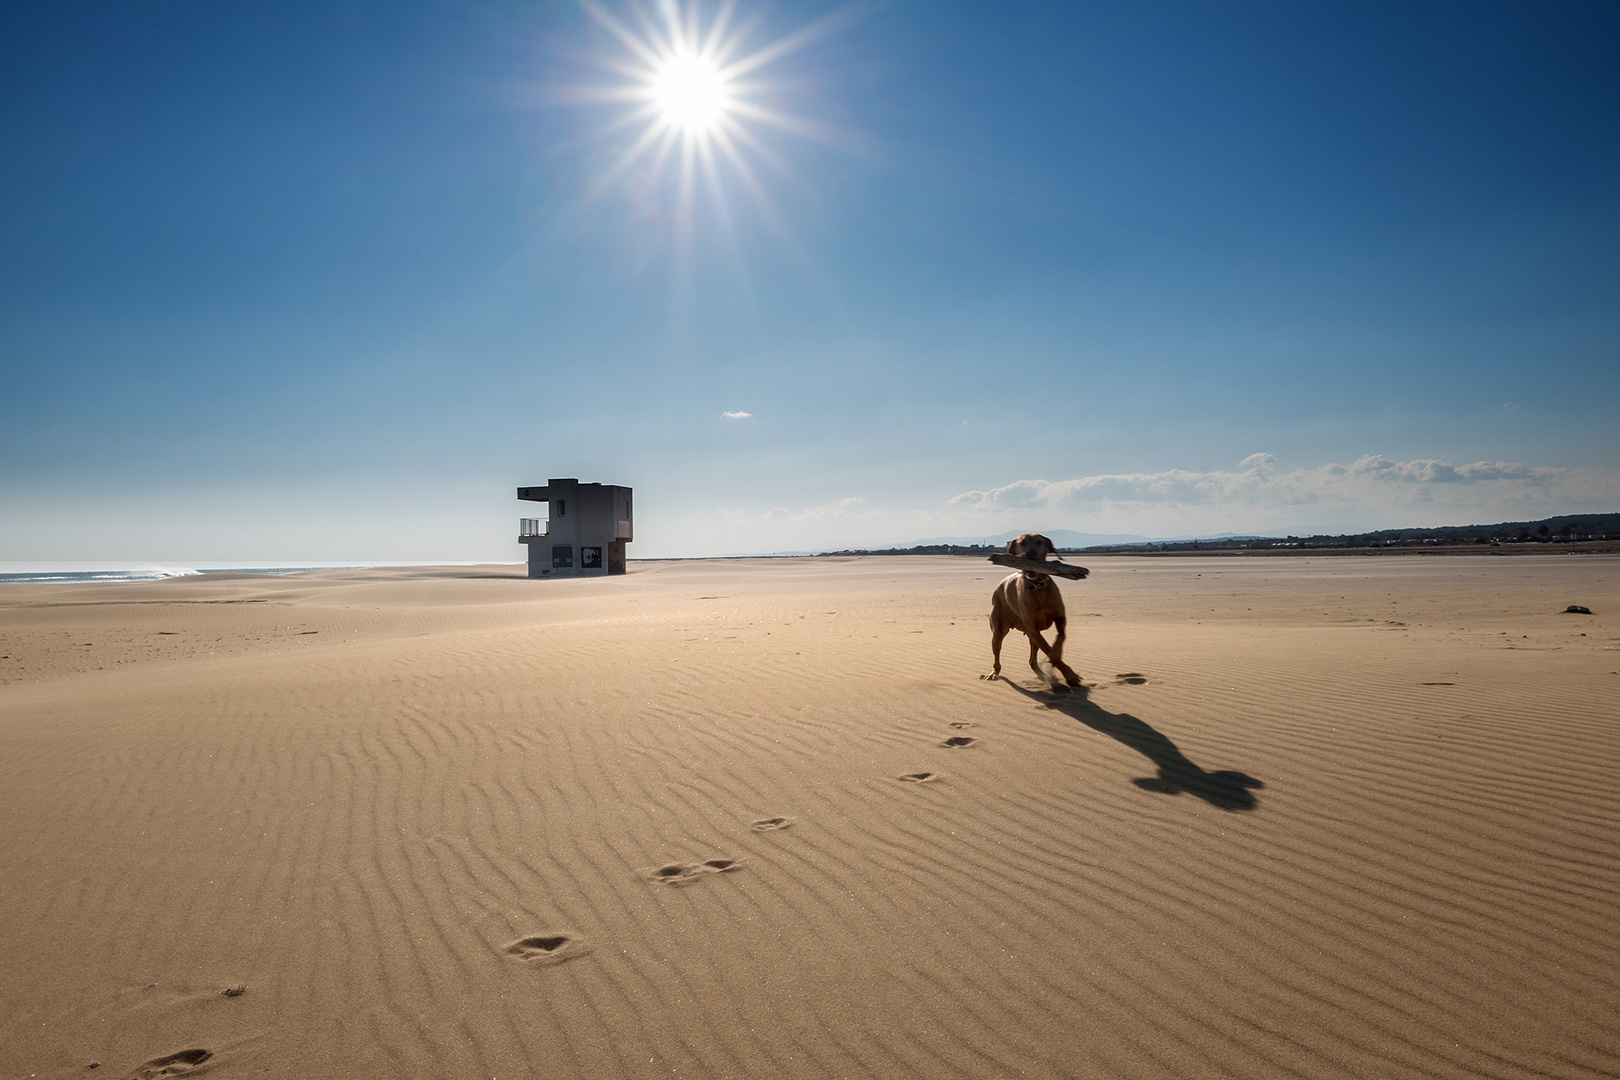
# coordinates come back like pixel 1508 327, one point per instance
pixel 1012 546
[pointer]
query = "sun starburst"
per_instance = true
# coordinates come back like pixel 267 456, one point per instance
pixel 693 101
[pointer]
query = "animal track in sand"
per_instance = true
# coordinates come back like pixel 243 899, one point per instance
pixel 1132 677
pixel 686 873
pixel 959 742
pixel 171 1064
pixel 770 823
pixel 551 948
pixel 961 723
pixel 920 777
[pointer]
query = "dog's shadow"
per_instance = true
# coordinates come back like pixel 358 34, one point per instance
pixel 1225 789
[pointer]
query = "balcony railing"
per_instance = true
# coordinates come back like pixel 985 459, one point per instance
pixel 531 526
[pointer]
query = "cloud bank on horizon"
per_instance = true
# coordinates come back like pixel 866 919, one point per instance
pixel 1371 492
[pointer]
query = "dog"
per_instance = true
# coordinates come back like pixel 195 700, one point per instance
pixel 1030 602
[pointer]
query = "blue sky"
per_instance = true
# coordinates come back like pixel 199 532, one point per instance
pixel 328 281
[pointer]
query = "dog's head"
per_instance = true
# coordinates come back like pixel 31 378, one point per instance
pixel 1031 546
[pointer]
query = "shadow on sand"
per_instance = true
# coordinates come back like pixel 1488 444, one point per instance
pixel 1226 790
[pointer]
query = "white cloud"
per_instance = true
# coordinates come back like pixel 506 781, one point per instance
pixel 737 415
pixel 841 508
pixel 1369 491
pixel 1261 463
pixel 1260 494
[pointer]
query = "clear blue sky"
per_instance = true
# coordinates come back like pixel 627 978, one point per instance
pixel 328 281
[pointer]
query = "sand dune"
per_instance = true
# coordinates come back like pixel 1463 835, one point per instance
pixel 745 818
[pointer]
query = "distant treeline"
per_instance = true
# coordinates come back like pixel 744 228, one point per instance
pixel 925 549
pixel 1555 530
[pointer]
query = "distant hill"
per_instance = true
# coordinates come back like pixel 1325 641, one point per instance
pixel 923 549
pixel 1565 529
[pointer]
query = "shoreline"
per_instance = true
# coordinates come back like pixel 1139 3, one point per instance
pixel 114 573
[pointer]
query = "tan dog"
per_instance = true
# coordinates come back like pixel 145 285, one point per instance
pixel 1030 602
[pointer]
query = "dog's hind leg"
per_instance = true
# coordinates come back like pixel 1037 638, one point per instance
pixel 1056 652
pixel 1037 645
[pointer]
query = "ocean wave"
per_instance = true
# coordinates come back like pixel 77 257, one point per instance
pixel 103 577
pixel 149 573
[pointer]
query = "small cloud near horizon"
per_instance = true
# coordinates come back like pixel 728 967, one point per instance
pixel 736 415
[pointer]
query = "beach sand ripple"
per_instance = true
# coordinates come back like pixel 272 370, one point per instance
pixel 1335 817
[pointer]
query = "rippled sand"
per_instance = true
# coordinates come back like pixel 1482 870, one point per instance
pixel 1309 818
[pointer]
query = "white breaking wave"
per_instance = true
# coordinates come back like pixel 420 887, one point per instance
pixel 14 574
pixel 104 577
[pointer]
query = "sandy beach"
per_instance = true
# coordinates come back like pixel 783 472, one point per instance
pixel 1309 817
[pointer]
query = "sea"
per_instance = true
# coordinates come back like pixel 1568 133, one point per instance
pixel 75 573
pixel 12 573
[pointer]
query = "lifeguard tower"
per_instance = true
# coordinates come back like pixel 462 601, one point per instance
pixel 588 526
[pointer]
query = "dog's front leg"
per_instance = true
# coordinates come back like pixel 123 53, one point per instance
pixel 998 631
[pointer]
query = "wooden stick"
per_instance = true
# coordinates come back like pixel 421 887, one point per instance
pixel 1053 569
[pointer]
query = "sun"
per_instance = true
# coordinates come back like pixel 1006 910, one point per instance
pixel 690 93
pixel 693 103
